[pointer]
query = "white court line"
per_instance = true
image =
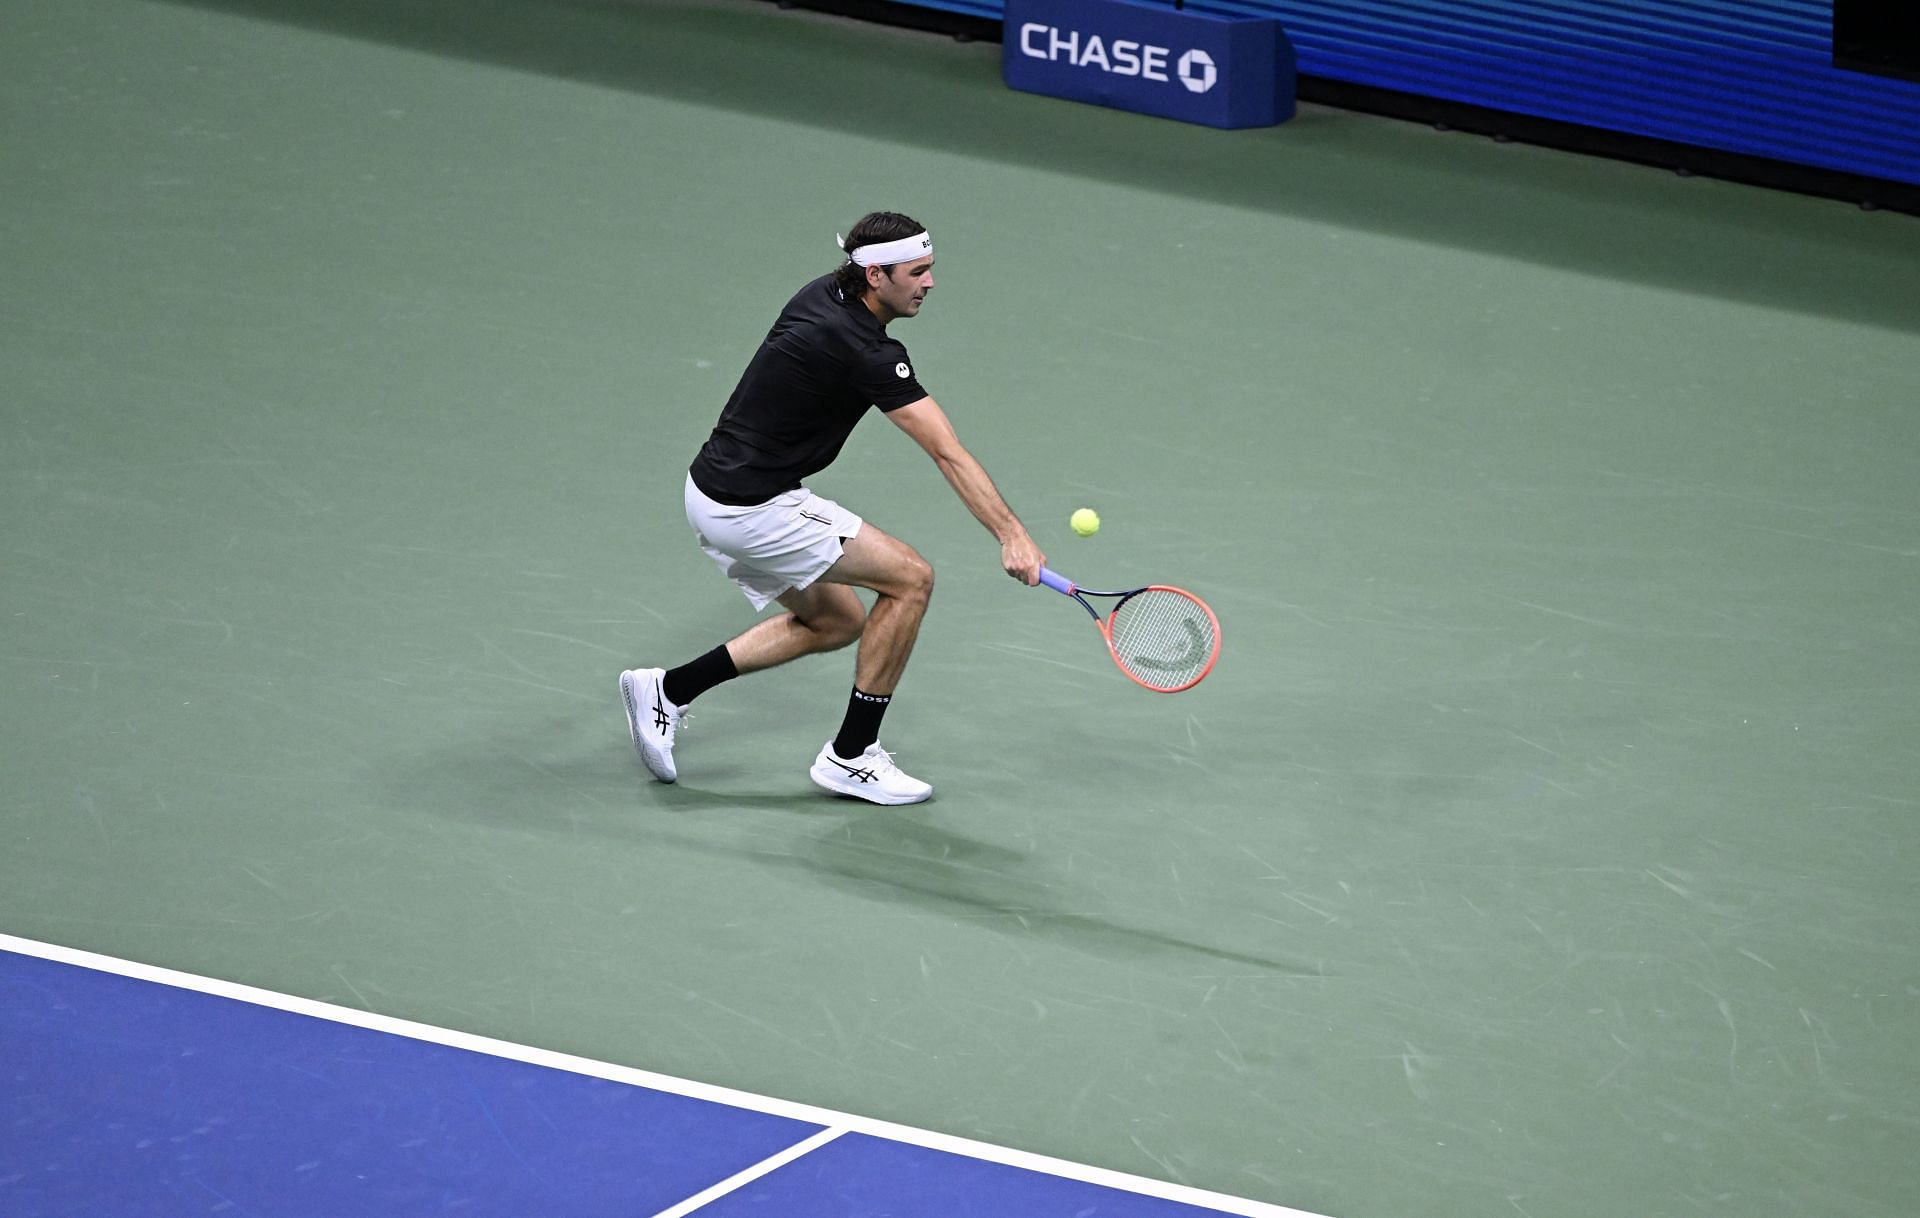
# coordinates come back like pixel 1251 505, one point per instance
pixel 741 1179
pixel 836 1122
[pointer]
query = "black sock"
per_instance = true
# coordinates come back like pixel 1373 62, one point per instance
pixel 861 727
pixel 687 682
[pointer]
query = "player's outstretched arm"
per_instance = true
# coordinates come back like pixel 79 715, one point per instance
pixel 931 430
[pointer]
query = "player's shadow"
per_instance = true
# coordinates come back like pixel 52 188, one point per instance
pixel 902 855
pixel 571 775
pixel 578 772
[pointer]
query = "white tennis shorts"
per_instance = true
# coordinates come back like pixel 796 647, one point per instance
pixel 787 542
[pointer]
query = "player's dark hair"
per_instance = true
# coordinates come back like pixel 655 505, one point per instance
pixel 871 229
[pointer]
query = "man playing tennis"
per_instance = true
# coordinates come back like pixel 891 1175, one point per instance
pixel 827 359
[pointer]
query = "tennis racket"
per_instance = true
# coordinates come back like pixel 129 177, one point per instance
pixel 1164 638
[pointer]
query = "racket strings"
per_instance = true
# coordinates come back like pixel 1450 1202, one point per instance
pixel 1163 638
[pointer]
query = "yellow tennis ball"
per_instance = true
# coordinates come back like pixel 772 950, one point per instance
pixel 1085 522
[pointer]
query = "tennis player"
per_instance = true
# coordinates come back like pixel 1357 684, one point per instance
pixel 825 362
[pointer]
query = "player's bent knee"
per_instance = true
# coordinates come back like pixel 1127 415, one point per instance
pixel 915 581
pixel 887 565
pixel 920 576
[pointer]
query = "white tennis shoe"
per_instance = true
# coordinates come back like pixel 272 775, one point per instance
pixel 871 776
pixel 651 719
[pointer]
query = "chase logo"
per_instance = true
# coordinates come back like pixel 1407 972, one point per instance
pixel 1196 71
pixel 1121 56
pixel 1151 57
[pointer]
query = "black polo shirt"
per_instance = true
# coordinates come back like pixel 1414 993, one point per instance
pixel 826 360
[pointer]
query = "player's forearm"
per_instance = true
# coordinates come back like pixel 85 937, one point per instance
pixel 970 481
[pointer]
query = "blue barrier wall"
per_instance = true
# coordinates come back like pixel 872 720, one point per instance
pixel 1753 77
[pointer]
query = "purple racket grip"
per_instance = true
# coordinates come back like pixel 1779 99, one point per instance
pixel 1059 583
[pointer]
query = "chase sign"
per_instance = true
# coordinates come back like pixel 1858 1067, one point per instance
pixel 1151 58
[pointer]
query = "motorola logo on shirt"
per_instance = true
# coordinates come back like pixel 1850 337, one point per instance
pixel 903 370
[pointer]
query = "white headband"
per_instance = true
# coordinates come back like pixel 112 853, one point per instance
pixel 888 253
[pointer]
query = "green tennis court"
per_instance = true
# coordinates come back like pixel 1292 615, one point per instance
pixel 1541 845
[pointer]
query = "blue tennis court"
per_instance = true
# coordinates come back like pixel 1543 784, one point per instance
pixel 130 1091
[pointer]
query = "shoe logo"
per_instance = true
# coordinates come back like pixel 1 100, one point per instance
pixel 854 772
pixel 660 719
